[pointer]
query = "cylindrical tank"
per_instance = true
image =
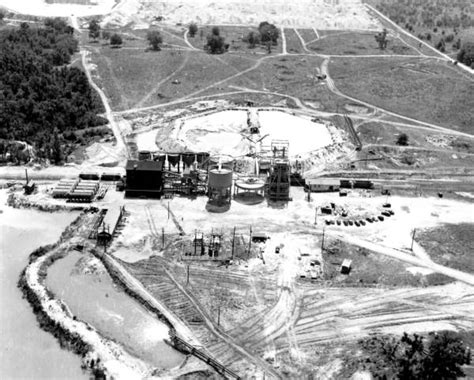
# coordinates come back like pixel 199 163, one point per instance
pixel 219 190
pixel 144 155
pixel 219 179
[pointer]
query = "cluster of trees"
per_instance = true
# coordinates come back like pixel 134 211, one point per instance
pixel 440 356
pixel 192 29
pixel 95 32
pixel 215 42
pixel 466 54
pixel 41 97
pixel 381 39
pixel 154 39
pixel 428 14
pixel 267 35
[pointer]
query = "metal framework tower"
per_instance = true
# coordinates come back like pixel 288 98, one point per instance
pixel 278 185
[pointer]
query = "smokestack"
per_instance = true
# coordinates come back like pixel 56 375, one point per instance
pixel 26 175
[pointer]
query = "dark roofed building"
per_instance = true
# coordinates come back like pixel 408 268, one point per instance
pixel 144 179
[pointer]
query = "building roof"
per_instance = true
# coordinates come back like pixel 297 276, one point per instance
pixel 323 181
pixel 144 165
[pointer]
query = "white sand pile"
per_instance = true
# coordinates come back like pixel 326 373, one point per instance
pixel 41 8
pixel 347 14
pixel 227 133
pixel 303 135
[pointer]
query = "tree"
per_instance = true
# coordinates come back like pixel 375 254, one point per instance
pixel 381 39
pixel 116 40
pixel 402 139
pixel 56 149
pixel 105 35
pixel 215 31
pixel 439 357
pixel 215 42
pixel 446 354
pixel 252 39
pixel 457 44
pixel 154 39
pixel 268 33
pixel 466 54
pixel 192 29
pixel 2 16
pixel 94 29
pixel 441 45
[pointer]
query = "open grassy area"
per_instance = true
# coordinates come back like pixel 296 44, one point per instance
pixel 380 133
pixel 451 245
pixel 294 76
pixel 293 42
pixel 137 78
pixel 308 35
pixel 425 90
pixel 371 269
pixel 129 75
pixel 352 43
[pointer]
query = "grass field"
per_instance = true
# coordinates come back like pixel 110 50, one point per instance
pixel 451 245
pixel 371 269
pixel 352 43
pixel 425 90
pixel 129 75
pixel 293 42
pixel 378 132
pixel 308 35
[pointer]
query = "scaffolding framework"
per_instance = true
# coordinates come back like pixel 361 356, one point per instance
pixel 278 187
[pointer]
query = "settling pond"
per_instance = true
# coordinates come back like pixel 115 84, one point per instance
pixel 81 281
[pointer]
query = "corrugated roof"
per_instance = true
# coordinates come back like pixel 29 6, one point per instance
pixel 323 181
pixel 144 165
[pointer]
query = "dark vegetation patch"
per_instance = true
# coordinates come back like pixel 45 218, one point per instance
pixel 445 24
pixel 451 245
pixel 439 355
pixel 41 98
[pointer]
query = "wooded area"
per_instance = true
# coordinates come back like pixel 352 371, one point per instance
pixel 43 101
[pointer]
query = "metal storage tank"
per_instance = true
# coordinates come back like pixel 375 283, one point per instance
pixel 219 189
pixel 144 155
pixel 220 178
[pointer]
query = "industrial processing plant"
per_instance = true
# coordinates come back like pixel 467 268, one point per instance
pixel 236 189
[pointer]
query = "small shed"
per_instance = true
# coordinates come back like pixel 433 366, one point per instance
pixel 259 237
pixel 346 266
pixel 322 185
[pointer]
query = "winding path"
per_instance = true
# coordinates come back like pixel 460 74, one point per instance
pixel 121 145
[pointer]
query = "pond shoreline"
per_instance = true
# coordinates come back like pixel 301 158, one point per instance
pixel 100 356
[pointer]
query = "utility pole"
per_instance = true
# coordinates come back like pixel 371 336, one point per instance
pixel 316 215
pixel 162 237
pixel 219 315
pixel 187 274
pixel 168 210
pixel 412 239
pixel 250 243
pixel 233 244
pixel 195 242
pixel 322 241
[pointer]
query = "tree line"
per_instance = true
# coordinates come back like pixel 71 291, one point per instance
pixel 42 99
pixel 438 356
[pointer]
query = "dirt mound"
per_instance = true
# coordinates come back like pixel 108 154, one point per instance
pixel 321 14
